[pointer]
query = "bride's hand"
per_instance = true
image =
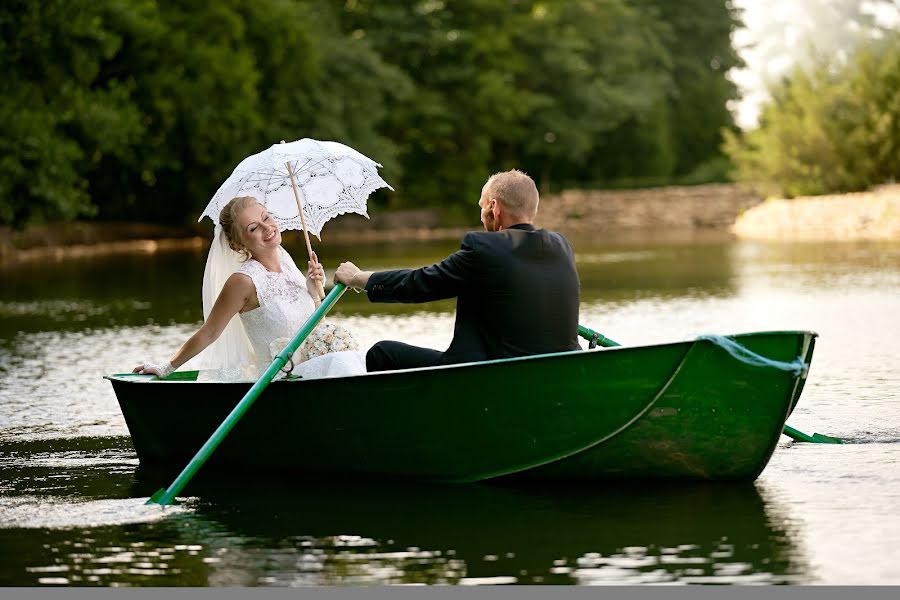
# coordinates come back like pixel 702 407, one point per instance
pixel 315 269
pixel 163 370
pixel 315 273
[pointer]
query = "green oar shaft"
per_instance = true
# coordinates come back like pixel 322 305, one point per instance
pixel 795 434
pixel 167 496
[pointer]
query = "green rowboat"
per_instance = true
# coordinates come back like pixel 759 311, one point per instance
pixel 681 410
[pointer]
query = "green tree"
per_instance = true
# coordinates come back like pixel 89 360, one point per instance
pixel 140 109
pixel 608 71
pixel 702 54
pixel 317 82
pixel 194 81
pixel 679 129
pixel 58 117
pixel 831 128
pixel 502 84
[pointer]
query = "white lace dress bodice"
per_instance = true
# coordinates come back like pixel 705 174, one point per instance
pixel 284 306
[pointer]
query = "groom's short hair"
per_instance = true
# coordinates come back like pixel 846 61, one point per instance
pixel 516 191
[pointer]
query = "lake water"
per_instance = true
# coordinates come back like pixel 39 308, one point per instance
pixel 72 491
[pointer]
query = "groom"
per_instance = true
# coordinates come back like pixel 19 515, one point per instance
pixel 516 286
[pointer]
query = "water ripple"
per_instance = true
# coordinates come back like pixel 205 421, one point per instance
pixel 33 512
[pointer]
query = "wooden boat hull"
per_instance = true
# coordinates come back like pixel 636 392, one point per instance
pixel 682 410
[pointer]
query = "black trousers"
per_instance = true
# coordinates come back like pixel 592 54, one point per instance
pixel 387 356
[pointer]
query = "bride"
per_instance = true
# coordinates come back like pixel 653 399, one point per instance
pixel 250 274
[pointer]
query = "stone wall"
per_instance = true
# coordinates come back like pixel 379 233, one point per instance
pixel 871 215
pixel 711 206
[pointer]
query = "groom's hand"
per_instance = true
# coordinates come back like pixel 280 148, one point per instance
pixel 350 275
pixel 345 272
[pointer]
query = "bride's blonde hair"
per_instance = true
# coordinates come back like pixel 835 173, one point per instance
pixel 228 220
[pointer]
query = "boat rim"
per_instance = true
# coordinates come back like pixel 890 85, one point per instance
pixel 136 377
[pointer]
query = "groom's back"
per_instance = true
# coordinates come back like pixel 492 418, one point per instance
pixel 522 298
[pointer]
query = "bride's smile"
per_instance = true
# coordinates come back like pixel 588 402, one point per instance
pixel 259 231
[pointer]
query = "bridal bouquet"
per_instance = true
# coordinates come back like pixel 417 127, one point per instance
pixel 325 338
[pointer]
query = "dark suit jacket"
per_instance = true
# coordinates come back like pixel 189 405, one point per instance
pixel 517 293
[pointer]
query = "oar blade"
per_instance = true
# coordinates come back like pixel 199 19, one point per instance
pixel 816 438
pixel 826 439
pixel 157 497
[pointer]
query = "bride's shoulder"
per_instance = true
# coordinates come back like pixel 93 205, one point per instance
pixel 251 273
pixel 240 278
pixel 238 285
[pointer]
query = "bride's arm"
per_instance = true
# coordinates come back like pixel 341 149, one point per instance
pixel 237 292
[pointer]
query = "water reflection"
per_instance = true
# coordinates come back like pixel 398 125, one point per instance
pixel 801 266
pixel 164 288
pixel 262 532
pixel 269 532
pixel 333 532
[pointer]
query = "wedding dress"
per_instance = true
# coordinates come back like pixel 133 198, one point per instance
pixel 284 306
pixel 249 342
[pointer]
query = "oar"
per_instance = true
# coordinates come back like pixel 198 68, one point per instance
pixel 167 495
pixel 597 339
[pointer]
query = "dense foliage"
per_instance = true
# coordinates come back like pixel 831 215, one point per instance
pixel 830 127
pixel 140 108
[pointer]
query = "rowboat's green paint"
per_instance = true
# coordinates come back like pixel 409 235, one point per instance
pixel 167 495
pixel 682 410
pixel 598 339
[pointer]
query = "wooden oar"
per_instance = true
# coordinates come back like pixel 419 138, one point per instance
pixel 598 339
pixel 167 495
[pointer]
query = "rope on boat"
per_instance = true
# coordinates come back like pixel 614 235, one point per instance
pixel 741 353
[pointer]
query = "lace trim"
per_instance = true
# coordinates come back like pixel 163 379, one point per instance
pixel 287 285
pixel 245 372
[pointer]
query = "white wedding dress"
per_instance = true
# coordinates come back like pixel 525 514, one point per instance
pixel 284 306
pixel 249 342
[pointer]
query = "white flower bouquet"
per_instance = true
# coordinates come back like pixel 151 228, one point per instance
pixel 325 338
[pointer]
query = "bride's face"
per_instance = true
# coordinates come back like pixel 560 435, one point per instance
pixel 259 232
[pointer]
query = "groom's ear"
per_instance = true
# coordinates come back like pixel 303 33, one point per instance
pixel 496 209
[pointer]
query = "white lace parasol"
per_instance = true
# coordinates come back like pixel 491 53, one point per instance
pixel 331 179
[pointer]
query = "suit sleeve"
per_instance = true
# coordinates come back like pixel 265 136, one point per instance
pixel 445 279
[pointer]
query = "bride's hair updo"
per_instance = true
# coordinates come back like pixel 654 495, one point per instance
pixel 228 219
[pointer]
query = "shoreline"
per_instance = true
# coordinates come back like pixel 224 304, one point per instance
pixel 860 216
pixel 12 257
pixel 685 212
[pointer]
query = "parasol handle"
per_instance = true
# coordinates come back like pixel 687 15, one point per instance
pixel 320 289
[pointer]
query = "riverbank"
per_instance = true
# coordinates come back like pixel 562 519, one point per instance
pixel 726 209
pixel 873 215
pixel 59 241
pixel 678 208
pixel 707 207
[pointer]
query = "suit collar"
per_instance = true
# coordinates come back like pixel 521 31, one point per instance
pixel 523 226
